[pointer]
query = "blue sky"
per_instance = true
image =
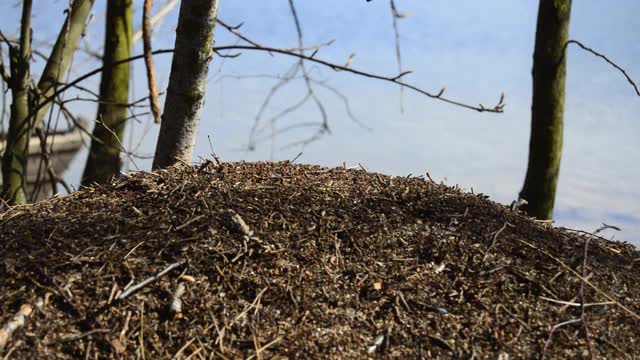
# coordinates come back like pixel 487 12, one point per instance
pixel 476 49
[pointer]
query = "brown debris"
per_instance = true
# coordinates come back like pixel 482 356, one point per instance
pixel 302 261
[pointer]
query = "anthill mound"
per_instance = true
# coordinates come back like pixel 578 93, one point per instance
pixel 261 260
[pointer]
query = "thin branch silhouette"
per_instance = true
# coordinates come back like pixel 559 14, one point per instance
pixel 395 16
pixel 588 49
pixel 152 83
pixel 498 108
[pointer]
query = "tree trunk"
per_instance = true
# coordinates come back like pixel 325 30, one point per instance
pixel 187 81
pixel 103 161
pixel 16 152
pixel 62 52
pixel 14 160
pixel 547 111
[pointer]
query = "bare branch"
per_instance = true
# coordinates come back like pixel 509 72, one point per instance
pixel 122 148
pixel 395 16
pixel 316 48
pixel 499 108
pixel 234 31
pixel 164 10
pixel 345 101
pixel 584 47
pixel 149 280
pixel 148 61
pixel 407 72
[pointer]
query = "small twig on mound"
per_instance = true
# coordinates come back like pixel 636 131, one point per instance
pixel 495 238
pixel 583 279
pixel 571 303
pixel 583 317
pixel 265 347
pixel 175 308
pixel 149 280
pixel 255 304
pixel 178 355
pixel 18 320
pixel 83 335
pixel 119 343
pixel 189 222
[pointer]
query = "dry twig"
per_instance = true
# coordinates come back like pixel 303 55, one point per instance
pixel 495 239
pixel 498 108
pixel 18 320
pixel 617 67
pixel 176 301
pixel 148 61
pixel 149 280
pixel 157 17
pixel 395 16
pixel 583 317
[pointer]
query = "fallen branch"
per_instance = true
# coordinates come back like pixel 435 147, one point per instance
pixel 18 320
pixel 149 280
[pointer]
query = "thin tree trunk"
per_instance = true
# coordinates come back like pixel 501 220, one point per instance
pixel 104 160
pixel 547 112
pixel 16 152
pixel 189 69
pixel 62 52
pixel 14 160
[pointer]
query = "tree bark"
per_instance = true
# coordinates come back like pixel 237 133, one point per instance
pixel 104 161
pixel 547 111
pixel 187 81
pixel 62 52
pixel 16 153
pixel 14 160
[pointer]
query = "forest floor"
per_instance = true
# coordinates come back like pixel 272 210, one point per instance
pixel 263 260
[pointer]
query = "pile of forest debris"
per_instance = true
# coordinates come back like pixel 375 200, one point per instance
pixel 280 260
